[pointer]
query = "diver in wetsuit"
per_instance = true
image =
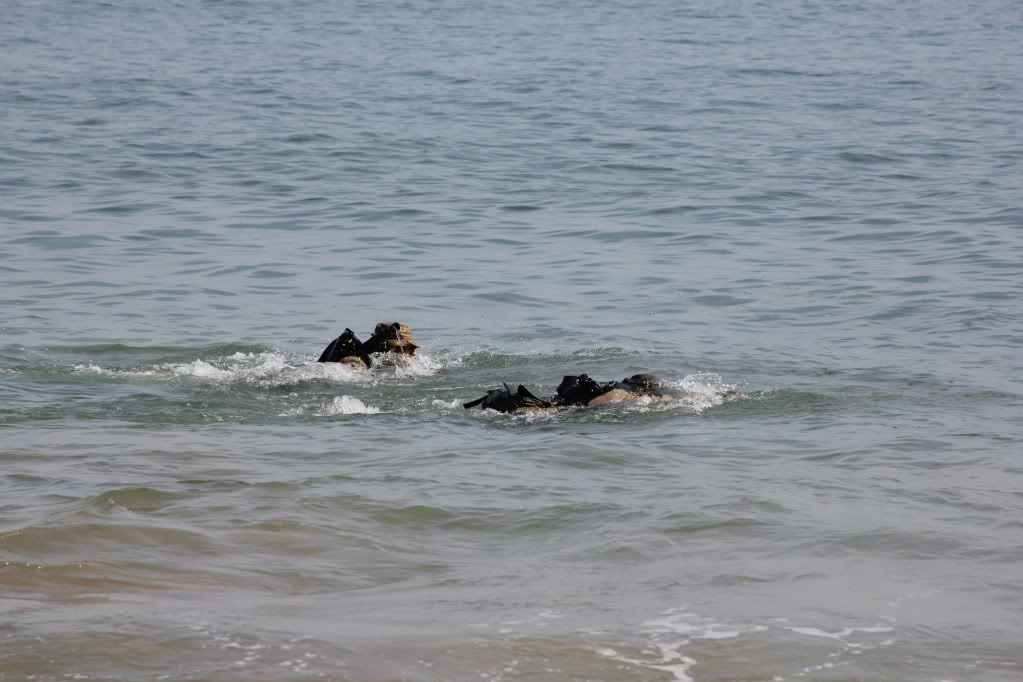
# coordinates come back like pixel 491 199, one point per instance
pixel 388 337
pixel 574 390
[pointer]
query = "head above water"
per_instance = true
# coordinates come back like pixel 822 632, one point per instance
pixel 388 337
pixel 579 390
pixel 354 361
pixel 392 337
pixel 645 383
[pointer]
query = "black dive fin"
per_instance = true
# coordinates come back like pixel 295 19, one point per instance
pixel 328 352
pixel 523 392
pixel 343 346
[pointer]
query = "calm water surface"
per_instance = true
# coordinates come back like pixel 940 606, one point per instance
pixel 818 204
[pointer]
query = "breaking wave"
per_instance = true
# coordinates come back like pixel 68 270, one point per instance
pixel 276 369
pixel 344 404
pixel 677 636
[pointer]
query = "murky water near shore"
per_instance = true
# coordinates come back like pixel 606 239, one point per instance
pixel 815 205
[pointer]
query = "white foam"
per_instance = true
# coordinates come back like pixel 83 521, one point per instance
pixel 269 368
pixel 847 646
pixel 839 634
pixel 701 390
pixel 665 653
pixel 694 393
pixel 405 367
pixel 672 622
pixel 693 402
pixel 277 368
pixel 712 633
pixel 202 369
pixel 343 404
pixel 346 404
pixel 671 661
pixel 815 632
pixel 96 369
pixel 446 405
pixel 670 633
pixel 704 381
pixel 91 369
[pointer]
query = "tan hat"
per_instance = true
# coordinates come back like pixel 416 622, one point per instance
pixel 392 337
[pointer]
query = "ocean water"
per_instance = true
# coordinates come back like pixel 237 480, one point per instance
pixel 817 204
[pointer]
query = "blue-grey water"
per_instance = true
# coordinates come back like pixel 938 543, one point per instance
pixel 819 204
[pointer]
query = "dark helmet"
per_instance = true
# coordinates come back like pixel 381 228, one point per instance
pixel 579 390
pixel 642 383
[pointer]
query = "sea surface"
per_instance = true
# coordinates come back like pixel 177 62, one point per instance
pixel 816 204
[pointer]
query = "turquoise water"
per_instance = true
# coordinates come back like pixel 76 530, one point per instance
pixel 816 204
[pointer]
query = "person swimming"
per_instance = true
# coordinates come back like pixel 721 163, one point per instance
pixel 388 337
pixel 573 391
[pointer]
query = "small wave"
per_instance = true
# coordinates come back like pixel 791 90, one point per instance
pixel 276 369
pixel 677 632
pixel 447 405
pixel 134 499
pixel 339 405
pixel 346 404
pixel 839 634
pixel 272 369
pixel 698 392
pixel 673 630
pixel 416 366
pixel 90 369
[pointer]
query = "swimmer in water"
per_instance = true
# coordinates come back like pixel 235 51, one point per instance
pixel 573 391
pixel 388 337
